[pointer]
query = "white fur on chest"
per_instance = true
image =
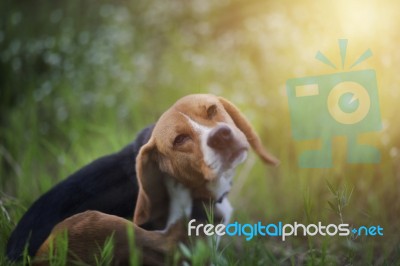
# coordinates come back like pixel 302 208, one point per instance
pixel 225 209
pixel 181 202
pixel 220 186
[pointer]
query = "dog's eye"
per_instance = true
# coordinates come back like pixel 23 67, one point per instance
pixel 211 111
pixel 180 139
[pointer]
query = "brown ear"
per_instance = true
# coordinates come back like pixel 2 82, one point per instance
pixel 244 125
pixel 152 197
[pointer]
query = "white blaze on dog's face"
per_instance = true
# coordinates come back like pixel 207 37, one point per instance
pixel 223 147
pixel 198 142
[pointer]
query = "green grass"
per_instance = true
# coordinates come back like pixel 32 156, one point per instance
pixel 79 79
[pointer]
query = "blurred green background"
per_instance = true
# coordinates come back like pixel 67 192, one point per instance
pixel 79 79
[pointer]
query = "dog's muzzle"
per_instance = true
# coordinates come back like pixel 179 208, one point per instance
pixel 222 139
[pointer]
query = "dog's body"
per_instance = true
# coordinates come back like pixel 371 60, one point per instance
pixel 108 184
pixel 190 157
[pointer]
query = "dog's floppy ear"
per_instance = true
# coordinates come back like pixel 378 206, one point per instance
pixel 152 201
pixel 244 125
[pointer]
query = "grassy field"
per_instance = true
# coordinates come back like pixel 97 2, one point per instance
pixel 79 79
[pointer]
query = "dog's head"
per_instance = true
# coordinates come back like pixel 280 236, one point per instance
pixel 198 142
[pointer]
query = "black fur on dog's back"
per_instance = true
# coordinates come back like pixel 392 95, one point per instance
pixel 108 184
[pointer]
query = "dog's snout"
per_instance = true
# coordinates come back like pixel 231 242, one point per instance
pixel 220 137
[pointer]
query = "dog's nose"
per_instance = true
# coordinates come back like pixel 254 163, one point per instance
pixel 220 137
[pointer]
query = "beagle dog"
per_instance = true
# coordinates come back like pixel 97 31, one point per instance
pixel 190 157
